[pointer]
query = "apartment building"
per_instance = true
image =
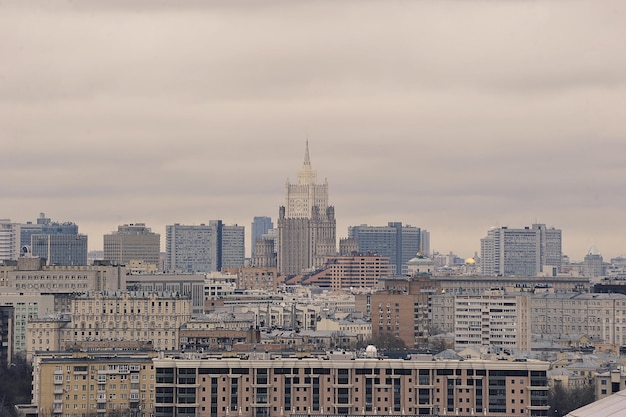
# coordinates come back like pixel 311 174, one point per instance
pixel 354 271
pixel 67 385
pixel 256 384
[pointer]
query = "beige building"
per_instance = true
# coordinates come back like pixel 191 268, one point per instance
pixel 132 242
pixel 94 384
pixel 492 319
pixel 27 306
pixel 255 278
pixel 361 328
pixel 601 317
pixel 353 271
pixel 115 316
pixel 256 384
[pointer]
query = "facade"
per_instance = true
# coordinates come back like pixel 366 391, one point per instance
pixel 255 385
pixel 204 248
pixel 60 249
pixel 306 224
pixel 32 275
pixel 132 242
pixel 398 242
pixel 9 240
pixel 260 226
pixel 601 317
pixel 233 246
pixel 265 253
pixel 493 319
pixel 593 264
pixel 94 384
pixel 114 317
pixel 263 279
pixel 401 310
pixel 26 306
pixel 345 272
pixel 186 285
pixel 521 252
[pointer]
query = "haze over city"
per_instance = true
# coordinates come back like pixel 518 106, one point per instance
pixel 451 116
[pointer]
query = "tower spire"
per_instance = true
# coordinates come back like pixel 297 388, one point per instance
pixel 307 160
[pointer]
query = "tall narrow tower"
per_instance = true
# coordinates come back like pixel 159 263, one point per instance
pixel 306 223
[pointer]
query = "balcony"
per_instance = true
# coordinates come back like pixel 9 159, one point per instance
pixel 58 389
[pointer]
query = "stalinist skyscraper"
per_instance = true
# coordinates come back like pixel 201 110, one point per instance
pixel 306 223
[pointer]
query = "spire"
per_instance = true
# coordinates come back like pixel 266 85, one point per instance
pixel 307 160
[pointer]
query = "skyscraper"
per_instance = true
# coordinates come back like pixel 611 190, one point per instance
pixel 132 242
pixel 9 240
pixel 400 243
pixel 260 226
pixel 306 223
pixel 233 246
pixel 60 249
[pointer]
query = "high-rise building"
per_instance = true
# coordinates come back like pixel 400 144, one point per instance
pixel 204 248
pixel 400 243
pixel 306 223
pixel 521 252
pixel 593 264
pixel 9 240
pixel 134 242
pixel 60 249
pixel 233 246
pixel 260 226
pixel 7 334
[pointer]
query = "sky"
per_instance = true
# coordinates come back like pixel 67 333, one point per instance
pixel 453 116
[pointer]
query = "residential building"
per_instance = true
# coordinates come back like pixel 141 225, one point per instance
pixel 260 226
pixel 26 306
pixel 493 319
pixel 132 242
pixel 186 285
pixel 94 383
pixel 254 385
pixel 306 223
pixel 254 278
pixel 349 272
pixel 398 242
pixel 401 309
pixel 113 317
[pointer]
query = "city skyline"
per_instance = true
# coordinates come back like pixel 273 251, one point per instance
pixel 452 117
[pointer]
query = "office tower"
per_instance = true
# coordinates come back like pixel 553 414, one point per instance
pixel 400 243
pixel 511 252
pixel 233 246
pixel 260 226
pixel 204 248
pixel 134 242
pixel 61 250
pixel 593 264
pixel 192 249
pixel 306 223
pixel 520 252
pixel 9 240
pixel 551 252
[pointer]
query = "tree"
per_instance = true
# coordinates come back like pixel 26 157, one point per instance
pixel 563 400
pixel 387 341
pixel 15 385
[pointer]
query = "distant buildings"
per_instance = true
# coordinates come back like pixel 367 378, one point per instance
pixel 204 248
pixel 348 272
pixel 593 264
pixel 132 242
pixel 399 243
pixel 260 226
pixel 521 252
pixel 306 224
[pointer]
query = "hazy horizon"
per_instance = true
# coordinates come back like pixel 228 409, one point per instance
pixel 450 116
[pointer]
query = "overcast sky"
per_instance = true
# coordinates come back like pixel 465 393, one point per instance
pixel 454 116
